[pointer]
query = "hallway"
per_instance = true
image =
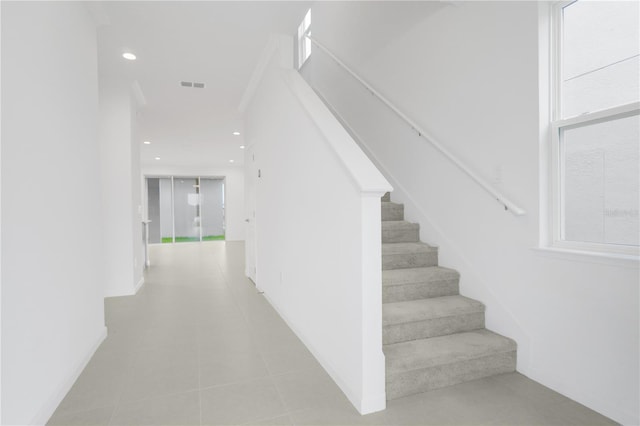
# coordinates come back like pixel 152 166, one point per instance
pixel 199 345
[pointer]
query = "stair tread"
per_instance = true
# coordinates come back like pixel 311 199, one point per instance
pixel 434 351
pixel 393 277
pixel 401 248
pixel 425 309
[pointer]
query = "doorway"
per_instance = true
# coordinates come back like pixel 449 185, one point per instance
pixel 185 209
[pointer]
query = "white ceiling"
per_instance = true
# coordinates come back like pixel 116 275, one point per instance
pixel 214 42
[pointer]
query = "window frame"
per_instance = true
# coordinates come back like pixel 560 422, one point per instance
pixel 556 126
pixel 304 30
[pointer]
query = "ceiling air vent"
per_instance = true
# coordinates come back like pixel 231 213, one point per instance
pixel 192 84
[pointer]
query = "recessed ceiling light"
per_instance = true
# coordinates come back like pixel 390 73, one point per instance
pixel 157 158
pixel 236 133
pixel 128 55
pixel 231 161
pixel 146 143
pixel 241 146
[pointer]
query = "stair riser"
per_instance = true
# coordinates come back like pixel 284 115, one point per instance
pixel 432 328
pixel 415 291
pixel 401 235
pixel 412 260
pixel 422 380
pixel 392 212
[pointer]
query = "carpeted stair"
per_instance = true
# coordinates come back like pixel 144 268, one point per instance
pixel 433 337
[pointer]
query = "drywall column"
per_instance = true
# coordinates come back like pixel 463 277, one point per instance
pixel 52 277
pixel 121 189
pixel 317 240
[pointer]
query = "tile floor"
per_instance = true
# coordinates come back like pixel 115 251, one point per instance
pixel 200 346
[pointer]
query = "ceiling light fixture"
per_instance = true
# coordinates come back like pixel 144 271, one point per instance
pixel 231 161
pixel 157 158
pixel 236 133
pixel 129 56
pixel 241 146
pixel 146 143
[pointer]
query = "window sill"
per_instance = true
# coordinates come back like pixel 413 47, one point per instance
pixel 611 259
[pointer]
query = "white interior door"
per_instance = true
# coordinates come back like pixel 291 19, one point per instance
pixel 251 180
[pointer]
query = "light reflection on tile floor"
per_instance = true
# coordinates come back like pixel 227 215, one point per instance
pixel 199 346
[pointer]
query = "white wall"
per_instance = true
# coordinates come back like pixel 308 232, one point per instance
pixel 468 73
pixel 317 216
pixel 120 168
pixel 52 275
pixel 234 192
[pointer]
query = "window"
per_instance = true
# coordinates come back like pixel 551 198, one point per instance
pixel 595 128
pixel 304 44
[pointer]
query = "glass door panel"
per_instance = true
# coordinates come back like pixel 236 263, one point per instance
pixel 186 209
pixel 165 219
pixel 212 198
pixel 153 210
pixel 159 212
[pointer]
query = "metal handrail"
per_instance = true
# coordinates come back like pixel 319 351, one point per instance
pixel 508 204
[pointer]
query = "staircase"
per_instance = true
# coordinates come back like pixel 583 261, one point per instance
pixel 432 336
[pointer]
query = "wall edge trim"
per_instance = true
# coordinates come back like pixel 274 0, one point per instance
pixel 138 286
pixel 364 404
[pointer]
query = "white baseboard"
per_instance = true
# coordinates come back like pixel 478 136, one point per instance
pixel 364 405
pixel 138 286
pixel 50 406
pixel 373 404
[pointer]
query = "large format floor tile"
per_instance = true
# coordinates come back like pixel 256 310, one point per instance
pixel 161 372
pixel 241 403
pixel 95 417
pixel 180 409
pixel 309 389
pixel 198 345
pixel 222 367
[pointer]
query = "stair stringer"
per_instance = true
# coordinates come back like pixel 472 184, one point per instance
pixel 451 255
